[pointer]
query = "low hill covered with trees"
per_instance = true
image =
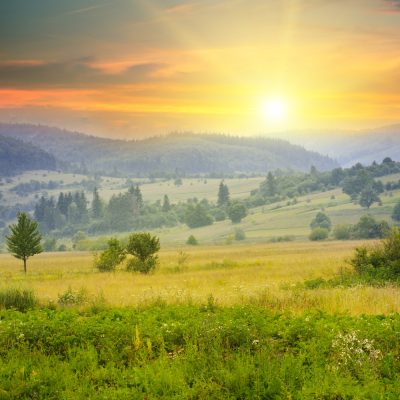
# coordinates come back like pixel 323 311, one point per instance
pixel 17 156
pixel 181 154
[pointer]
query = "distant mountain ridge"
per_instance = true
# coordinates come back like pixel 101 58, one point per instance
pixel 17 156
pixel 349 148
pixel 184 153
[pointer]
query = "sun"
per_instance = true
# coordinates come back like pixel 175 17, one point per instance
pixel 274 110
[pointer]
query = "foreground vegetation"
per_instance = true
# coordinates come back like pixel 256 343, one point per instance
pixel 197 352
pixel 215 322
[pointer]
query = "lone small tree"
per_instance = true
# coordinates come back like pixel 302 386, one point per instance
pixel 368 197
pixel 24 240
pixel 143 247
pixel 236 212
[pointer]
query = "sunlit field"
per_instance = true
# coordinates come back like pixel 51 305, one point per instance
pixel 266 275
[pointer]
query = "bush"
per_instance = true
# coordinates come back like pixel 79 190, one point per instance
pixel 192 241
pixel 236 212
pixel 369 228
pixel 219 215
pixel 321 220
pixel 110 258
pixel 21 300
pixel 381 261
pixel 144 267
pixel 239 234
pixel 319 234
pixel 342 232
pixel 197 216
pixel 143 247
pixel 71 297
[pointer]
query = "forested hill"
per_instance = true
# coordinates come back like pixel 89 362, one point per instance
pixel 17 156
pixel 185 153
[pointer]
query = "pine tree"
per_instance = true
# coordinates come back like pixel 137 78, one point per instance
pixel 25 238
pixel 271 184
pixel 40 209
pixel 139 197
pixel 81 205
pixel 223 194
pixel 97 205
pixel 166 204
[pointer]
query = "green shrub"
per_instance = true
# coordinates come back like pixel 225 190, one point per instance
pixel 62 247
pixel 110 258
pixel 237 211
pixel 369 228
pixel 192 241
pixel 142 266
pixel 342 232
pixel 72 297
pixel 381 261
pixel 321 220
pixel 19 299
pixel 219 214
pixel 319 234
pixel 143 247
pixel 240 234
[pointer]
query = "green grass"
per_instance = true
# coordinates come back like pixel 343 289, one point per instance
pixel 19 299
pixel 197 352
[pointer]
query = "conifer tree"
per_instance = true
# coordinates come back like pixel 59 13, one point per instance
pixel 223 194
pixel 166 204
pixel 25 238
pixel 97 205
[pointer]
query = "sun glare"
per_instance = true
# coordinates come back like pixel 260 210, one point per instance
pixel 275 110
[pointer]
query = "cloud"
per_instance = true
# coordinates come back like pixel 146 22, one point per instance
pixel 75 73
pixel 394 5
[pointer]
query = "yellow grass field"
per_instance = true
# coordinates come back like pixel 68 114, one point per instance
pixel 264 274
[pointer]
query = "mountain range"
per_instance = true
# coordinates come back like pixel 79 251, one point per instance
pixel 34 146
pixel 183 153
pixel 351 147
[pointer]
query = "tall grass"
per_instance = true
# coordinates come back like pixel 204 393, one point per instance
pixel 19 299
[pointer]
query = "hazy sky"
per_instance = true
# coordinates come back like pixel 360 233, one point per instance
pixel 133 68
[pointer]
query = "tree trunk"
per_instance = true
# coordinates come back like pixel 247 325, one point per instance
pixel 25 265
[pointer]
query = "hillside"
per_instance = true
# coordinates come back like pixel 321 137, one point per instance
pixel 183 153
pixel 17 156
pixel 349 148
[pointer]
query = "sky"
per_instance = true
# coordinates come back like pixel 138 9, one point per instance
pixel 137 68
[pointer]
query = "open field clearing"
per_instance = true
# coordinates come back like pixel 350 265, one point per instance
pixel 265 275
pixel 109 186
pixel 283 219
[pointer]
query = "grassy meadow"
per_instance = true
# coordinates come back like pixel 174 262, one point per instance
pixel 152 190
pixel 268 275
pixel 212 322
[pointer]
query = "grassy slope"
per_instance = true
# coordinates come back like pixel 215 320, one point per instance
pixel 265 223
pixel 190 188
